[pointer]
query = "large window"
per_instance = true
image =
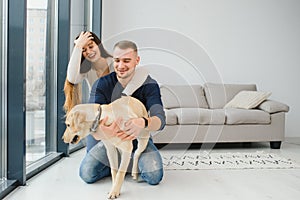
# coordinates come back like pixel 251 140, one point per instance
pixel 2 134
pixel 36 79
pixel 35 47
pixel 79 24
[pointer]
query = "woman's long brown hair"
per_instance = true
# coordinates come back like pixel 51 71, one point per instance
pixel 72 95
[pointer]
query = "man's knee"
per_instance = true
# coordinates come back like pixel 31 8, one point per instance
pixel 86 174
pixel 154 177
pixel 91 174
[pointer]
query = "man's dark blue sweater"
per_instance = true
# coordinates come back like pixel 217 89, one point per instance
pixel 107 89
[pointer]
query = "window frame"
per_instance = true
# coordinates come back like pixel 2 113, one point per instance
pixel 3 95
pixel 13 101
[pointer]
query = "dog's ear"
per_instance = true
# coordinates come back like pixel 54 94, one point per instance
pixel 79 117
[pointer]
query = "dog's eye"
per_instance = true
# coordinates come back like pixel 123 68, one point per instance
pixel 68 125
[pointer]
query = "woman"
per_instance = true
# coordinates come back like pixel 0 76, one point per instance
pixel 89 61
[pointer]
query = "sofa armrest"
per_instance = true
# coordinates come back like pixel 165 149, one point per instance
pixel 171 117
pixel 272 106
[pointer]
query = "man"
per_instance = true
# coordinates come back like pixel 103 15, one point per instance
pixel 105 90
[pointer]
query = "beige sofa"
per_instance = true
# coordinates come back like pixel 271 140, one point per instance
pixel 196 114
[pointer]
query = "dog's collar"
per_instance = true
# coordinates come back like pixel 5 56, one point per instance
pixel 96 121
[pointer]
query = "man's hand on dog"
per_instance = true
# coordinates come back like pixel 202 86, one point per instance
pixel 111 130
pixel 132 129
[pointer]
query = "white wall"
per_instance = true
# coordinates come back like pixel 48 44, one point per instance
pixel 230 41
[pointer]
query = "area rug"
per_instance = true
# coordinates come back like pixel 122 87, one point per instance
pixel 212 160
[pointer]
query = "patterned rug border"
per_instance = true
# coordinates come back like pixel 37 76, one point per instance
pixel 227 160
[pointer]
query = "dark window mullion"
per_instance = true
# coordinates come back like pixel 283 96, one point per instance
pixel 16 69
pixel 63 49
pixel 51 90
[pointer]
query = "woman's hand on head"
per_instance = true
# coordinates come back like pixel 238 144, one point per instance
pixel 83 39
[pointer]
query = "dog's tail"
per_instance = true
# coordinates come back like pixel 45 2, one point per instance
pixel 72 95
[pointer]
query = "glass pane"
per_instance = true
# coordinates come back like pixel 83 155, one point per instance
pixel 36 80
pixel 79 24
pixel 2 95
pixel 2 154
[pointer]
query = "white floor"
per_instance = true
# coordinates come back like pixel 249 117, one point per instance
pixel 61 181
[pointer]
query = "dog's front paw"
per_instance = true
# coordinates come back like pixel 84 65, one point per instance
pixel 113 195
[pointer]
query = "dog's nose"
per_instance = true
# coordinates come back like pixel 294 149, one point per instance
pixel 75 139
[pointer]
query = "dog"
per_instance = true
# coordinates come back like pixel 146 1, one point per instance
pixel 84 117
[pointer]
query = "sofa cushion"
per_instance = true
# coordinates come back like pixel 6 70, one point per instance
pixel 272 106
pixel 171 117
pixel 217 94
pixel 199 116
pixel 247 99
pixel 242 116
pixel 183 96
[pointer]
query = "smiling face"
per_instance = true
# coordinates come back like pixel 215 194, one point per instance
pixel 91 51
pixel 125 61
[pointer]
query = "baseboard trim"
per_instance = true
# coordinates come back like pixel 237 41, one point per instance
pixel 292 140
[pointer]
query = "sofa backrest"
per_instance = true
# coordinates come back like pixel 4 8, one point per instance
pixel 217 94
pixel 183 96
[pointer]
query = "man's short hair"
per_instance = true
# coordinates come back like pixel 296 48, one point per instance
pixel 126 44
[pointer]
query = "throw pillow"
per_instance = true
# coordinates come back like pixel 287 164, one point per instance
pixel 247 99
pixel 272 106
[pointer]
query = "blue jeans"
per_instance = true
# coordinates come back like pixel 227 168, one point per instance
pixel 95 164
